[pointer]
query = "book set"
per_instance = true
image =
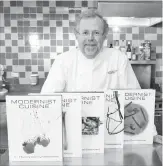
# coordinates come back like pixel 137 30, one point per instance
pixel 55 126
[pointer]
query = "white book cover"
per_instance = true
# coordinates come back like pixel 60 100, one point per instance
pixel 92 122
pixel 114 119
pixel 139 116
pixel 72 135
pixel 34 128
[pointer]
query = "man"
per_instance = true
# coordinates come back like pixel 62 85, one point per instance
pixel 90 67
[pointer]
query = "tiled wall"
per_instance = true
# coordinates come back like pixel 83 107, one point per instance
pixel 33 33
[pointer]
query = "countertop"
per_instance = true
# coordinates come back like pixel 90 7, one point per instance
pixel 130 155
pixel 24 89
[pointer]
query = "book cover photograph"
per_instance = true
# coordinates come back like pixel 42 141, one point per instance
pixel 139 116
pixel 114 119
pixel 34 128
pixel 92 122
pixel 72 135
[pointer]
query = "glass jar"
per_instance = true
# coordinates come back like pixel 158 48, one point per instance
pixel 147 50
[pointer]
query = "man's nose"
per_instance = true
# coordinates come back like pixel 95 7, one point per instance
pixel 91 36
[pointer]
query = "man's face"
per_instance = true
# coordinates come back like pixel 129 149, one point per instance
pixel 90 37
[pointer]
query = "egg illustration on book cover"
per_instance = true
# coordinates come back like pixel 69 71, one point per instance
pixel 35 131
pixel 43 140
pixel 29 146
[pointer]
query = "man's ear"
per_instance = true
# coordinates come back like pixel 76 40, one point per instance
pixel 75 32
pixel 106 32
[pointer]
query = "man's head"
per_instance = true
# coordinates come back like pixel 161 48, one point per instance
pixel 91 30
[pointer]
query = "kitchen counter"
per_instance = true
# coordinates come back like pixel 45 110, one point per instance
pixel 23 89
pixel 130 155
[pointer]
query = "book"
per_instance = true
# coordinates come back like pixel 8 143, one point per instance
pixel 34 128
pixel 114 119
pixel 72 135
pixel 139 116
pixel 92 122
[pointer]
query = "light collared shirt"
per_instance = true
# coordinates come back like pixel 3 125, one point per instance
pixel 72 72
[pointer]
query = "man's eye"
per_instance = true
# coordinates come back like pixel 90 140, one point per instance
pixel 85 33
pixel 97 33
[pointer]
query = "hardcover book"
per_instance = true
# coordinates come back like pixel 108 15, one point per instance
pixel 34 128
pixel 92 122
pixel 139 116
pixel 114 119
pixel 72 135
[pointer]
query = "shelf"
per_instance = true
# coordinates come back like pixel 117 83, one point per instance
pixel 143 62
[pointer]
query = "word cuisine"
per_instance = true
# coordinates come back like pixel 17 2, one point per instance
pixel 26 104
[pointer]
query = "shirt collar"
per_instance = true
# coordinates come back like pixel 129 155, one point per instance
pixel 83 58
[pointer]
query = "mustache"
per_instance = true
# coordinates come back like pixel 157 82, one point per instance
pixel 90 44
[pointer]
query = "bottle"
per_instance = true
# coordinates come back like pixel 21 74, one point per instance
pixel 116 45
pixel 123 46
pixel 133 53
pixel 128 51
pixel 111 45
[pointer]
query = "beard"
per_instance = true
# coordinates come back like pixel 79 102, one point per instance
pixel 91 50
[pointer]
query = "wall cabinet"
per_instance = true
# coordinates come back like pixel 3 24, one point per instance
pixel 143 72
